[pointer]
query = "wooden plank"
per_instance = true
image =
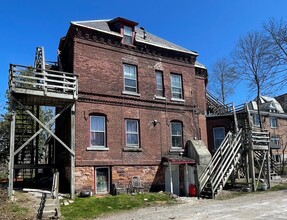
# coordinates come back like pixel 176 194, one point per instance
pixel 49 93
pixel 73 126
pixel 12 146
pixel 260 147
pixel 39 69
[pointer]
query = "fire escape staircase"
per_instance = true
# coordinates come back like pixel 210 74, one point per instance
pixel 222 164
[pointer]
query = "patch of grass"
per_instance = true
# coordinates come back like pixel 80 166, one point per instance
pixel 89 208
pixel 281 186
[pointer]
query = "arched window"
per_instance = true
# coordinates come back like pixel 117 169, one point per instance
pixel 176 134
pixel 97 131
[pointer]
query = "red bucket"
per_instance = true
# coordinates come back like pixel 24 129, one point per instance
pixel 192 190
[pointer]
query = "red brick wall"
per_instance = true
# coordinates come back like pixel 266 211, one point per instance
pixel 212 122
pixel 100 70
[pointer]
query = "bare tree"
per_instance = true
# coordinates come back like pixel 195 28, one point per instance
pixel 277 35
pixel 253 62
pixel 222 78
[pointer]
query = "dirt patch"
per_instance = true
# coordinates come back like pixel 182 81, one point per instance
pixel 22 207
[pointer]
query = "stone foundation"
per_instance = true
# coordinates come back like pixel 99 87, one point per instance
pixel 152 177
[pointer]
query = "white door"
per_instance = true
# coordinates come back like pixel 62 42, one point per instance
pixel 175 179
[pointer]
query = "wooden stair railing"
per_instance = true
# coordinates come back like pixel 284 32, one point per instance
pixel 223 162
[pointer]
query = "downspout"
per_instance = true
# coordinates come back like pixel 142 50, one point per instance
pixel 170 176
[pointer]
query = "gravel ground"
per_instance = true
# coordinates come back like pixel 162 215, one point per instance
pixel 264 205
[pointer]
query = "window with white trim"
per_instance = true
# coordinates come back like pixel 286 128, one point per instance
pixel 128 34
pixel 273 122
pixel 130 78
pixel 176 134
pixel 256 120
pixel 176 86
pixel 132 133
pixel 218 136
pixel 159 84
pixel 97 131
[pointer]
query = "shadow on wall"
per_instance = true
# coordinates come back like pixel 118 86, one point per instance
pixel 158 183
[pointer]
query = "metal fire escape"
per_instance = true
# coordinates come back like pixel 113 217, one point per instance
pixel 29 89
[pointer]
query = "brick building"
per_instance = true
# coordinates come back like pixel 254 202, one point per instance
pixel 140 99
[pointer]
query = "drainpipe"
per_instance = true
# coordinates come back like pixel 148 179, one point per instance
pixel 170 176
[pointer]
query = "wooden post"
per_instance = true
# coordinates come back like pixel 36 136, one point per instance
pixel 247 168
pixel 37 142
pixel 73 121
pixel 12 146
pixel 268 176
pixel 186 179
pixel 251 167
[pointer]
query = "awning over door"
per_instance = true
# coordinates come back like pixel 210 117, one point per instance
pixel 177 159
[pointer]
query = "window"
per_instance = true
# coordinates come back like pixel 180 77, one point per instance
pixel 130 78
pixel 97 131
pixel 273 122
pixel 159 84
pixel 176 134
pixel 256 120
pixel 128 33
pixel 176 86
pixel 132 133
pixel 275 142
pixel 218 136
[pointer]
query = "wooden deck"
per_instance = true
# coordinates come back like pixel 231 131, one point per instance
pixel 31 86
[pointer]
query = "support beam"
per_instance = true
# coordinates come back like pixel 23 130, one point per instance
pixel 12 146
pixel 186 179
pixel 40 130
pixel 268 176
pixel 252 169
pixel 50 132
pixel 73 123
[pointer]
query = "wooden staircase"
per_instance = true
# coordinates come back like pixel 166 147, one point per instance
pixel 222 164
pixel 48 201
pixel 24 128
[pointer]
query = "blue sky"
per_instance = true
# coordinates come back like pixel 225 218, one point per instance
pixel 210 27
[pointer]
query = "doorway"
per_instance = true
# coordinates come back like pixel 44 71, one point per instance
pixel 102 182
pixel 175 179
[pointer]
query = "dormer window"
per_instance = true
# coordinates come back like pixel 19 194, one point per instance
pixel 128 35
pixel 125 27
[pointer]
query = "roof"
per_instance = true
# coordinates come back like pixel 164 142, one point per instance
pixel 199 65
pixel 103 26
pixel 267 104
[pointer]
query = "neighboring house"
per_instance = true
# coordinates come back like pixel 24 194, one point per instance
pixel 274 120
pixel 140 99
pixel 220 120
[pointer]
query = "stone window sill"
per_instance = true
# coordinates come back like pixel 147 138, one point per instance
pixel 159 97
pixel 98 148
pixel 175 149
pixel 177 100
pixel 131 93
pixel 132 149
